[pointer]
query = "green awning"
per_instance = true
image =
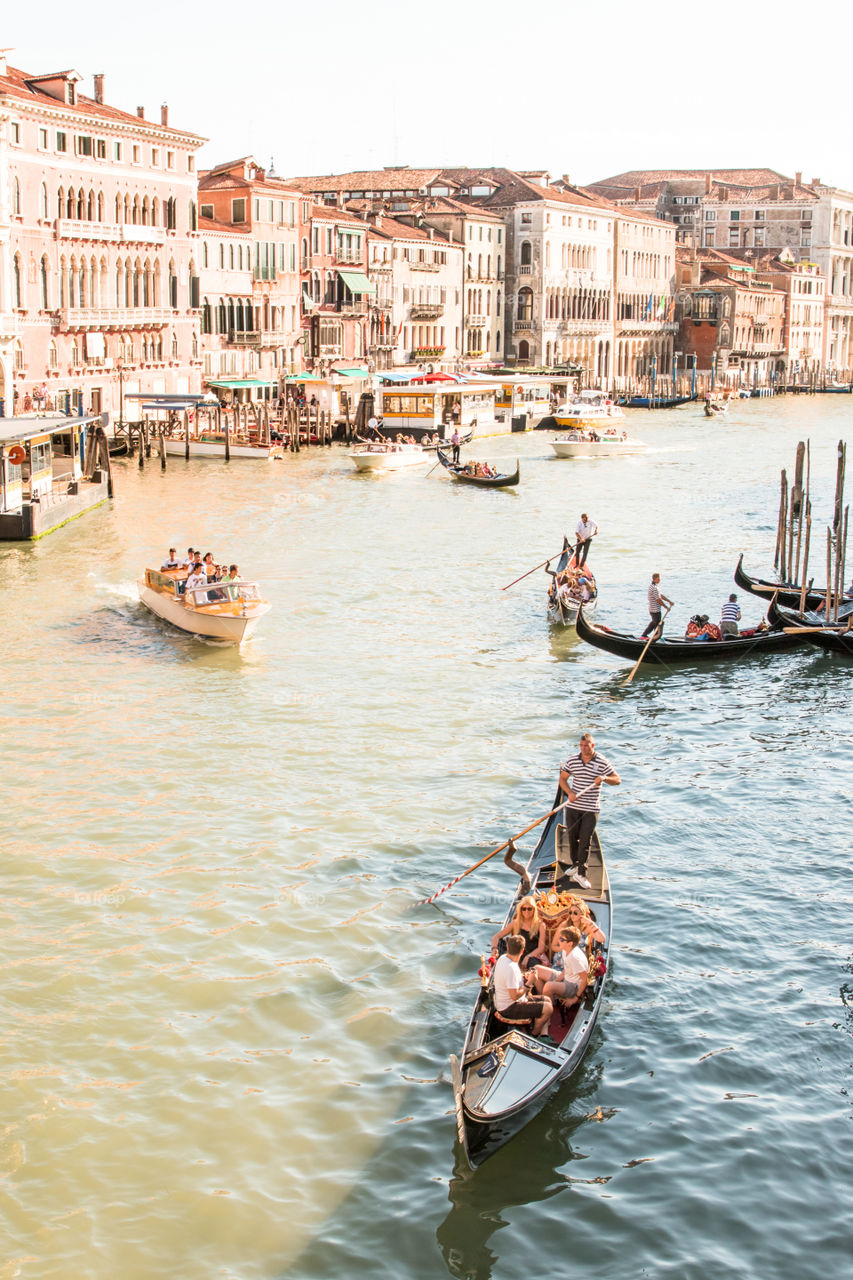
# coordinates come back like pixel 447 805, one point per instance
pixel 357 282
pixel 303 377
pixel 234 384
pixel 352 373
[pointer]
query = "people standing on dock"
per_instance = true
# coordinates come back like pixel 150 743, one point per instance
pixel 730 616
pixel 581 777
pixel 585 532
pixel 656 602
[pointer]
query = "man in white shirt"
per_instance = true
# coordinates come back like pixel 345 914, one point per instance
pixel 511 998
pixel 172 563
pixel 585 532
pixel 197 578
pixel 568 982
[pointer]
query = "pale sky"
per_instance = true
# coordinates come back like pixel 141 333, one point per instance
pixel 588 89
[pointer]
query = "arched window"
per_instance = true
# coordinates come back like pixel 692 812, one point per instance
pixel 206 317
pixel 524 350
pixel 231 256
pixel 91 206
pixel 525 305
pixel 45 292
pixel 204 253
pixel 526 253
pixel 60 203
pixel 17 283
pixel 174 346
pixel 45 203
pixel 118 208
pixel 16 199
pixel 100 206
pixel 81 206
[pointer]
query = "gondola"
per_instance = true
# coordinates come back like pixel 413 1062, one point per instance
pixel 664 651
pixel 563 608
pixel 504 1075
pixel 813 627
pixel 652 402
pixel 786 593
pixel 458 471
pixel 714 408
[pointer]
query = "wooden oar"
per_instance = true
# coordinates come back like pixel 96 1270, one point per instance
pixel 654 636
pixel 507 843
pixel 799 631
pixel 533 570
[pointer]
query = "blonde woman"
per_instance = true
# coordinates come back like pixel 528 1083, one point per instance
pixel 531 928
pixel 579 918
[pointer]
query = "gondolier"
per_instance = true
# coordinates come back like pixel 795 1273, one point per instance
pixel 656 601
pixel 586 770
pixel 454 440
pixel 584 533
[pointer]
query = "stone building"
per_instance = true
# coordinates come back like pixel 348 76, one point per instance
pixel 804 288
pixel 228 344
pixel 244 195
pixel 421 293
pixel 336 290
pixel 99 271
pixel 732 321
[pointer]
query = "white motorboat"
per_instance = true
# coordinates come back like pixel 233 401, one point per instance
pixel 227 611
pixel 595 444
pixel 212 445
pixel 589 411
pixel 389 457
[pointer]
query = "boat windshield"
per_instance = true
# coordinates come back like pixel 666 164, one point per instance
pixel 222 592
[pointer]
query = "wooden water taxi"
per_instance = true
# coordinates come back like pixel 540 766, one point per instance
pixel 388 457
pixel 227 611
pixel 589 411
pixel 52 469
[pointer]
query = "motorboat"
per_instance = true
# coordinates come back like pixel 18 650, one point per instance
pixel 590 410
pixel 227 611
pixel 389 457
pixel 595 443
pixel 212 444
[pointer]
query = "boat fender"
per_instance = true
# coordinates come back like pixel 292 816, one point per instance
pixel 17 454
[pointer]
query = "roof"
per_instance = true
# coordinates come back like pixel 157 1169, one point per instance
pixel 741 186
pixel 396 178
pixel 223 228
pixel 16 430
pixel 391 228
pixel 24 87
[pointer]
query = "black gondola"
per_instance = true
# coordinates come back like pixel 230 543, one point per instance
pixel 505 1075
pixel 458 471
pixel 813 627
pixel 664 651
pixel 787 593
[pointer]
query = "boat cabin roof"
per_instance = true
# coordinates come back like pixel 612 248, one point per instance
pixel 26 427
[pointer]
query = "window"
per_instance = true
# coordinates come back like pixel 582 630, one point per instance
pixel 527 218
pixel 190 164
pixel 759 215
pixel 61 141
pixel 710 215
pixel 758 237
pixel 101 148
pixel 734 236
pixel 806 215
pixel 170 159
pixel 238 210
pixel 136 155
pixel 116 151
pixel 155 157
pixel 16 133
pixel 207 210
pixel 43 139
pixel 734 215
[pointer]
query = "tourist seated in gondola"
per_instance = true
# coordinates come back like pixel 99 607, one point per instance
pixel 699 628
pixel 511 998
pixel 580 918
pixel 526 924
pixel 566 978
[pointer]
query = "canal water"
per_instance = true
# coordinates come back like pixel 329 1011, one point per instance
pixel 226 1025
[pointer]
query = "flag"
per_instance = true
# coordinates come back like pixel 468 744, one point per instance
pixel 648 310
pixel 662 307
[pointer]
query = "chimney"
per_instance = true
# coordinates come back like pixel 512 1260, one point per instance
pixel 815 182
pixel 638 194
pixel 164 113
pixel 798 179
pixel 99 88
pixel 709 178
pixel 567 180
pixel 3 53
pixel 140 111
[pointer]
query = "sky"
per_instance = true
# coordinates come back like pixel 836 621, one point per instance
pixel 585 89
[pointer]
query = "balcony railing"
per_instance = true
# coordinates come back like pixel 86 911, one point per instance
pixel 114 317
pixel 526 269
pixel 518 325
pixel 330 350
pixel 425 266
pixel 477 322
pixel 352 259
pixel 427 353
pixel 244 337
pixel 427 310
pixel 124 232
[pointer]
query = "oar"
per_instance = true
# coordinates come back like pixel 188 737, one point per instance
pixel 654 636
pixel 799 631
pixel 506 844
pixel 533 570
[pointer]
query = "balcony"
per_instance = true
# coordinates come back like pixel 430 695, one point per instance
pixel 112 232
pixel 628 325
pixel 519 326
pixel 477 322
pixel 355 307
pixel 349 259
pixel 330 350
pixel 425 266
pixel 526 269
pixel 114 317
pixel 427 353
pixel 427 310
pixel 588 328
pixel 244 337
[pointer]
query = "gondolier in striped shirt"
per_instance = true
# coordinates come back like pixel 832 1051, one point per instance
pixel 585 770
pixel 656 602
pixel 730 616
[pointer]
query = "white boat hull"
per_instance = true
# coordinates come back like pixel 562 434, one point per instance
pixel 198 622
pixel 596 448
pixel 389 461
pixel 215 449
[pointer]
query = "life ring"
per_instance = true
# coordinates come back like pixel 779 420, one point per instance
pixel 17 454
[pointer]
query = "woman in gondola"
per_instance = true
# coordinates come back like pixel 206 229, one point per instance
pixel 527 923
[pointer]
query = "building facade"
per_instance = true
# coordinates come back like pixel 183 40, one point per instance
pixel 730 320
pixel 99 271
